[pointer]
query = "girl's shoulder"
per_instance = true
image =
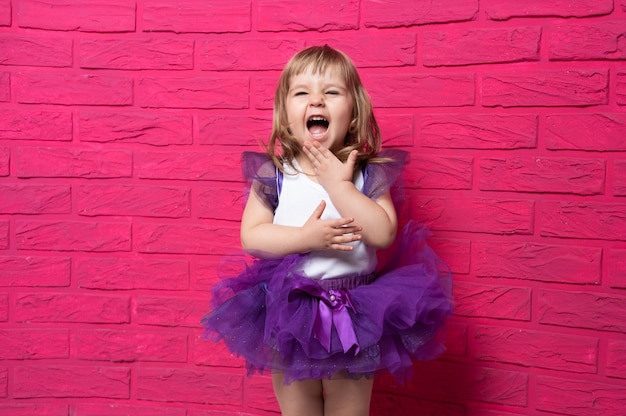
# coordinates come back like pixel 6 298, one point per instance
pixel 256 164
pixel 384 172
pixel 260 175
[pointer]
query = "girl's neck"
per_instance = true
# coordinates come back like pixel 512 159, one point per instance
pixel 305 166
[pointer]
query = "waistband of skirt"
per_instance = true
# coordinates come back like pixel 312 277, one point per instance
pixel 349 282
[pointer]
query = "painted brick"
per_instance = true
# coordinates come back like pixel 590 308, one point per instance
pixel 138 201
pixel 396 129
pixel 596 132
pixel 596 220
pixel 454 382
pixel 580 397
pixel 216 165
pixel 545 88
pixel 193 92
pixel 75 15
pixel 542 174
pixel 222 202
pixel 478 131
pixel 496 302
pixel 196 412
pixel 421 90
pixel 456 253
pixel 384 49
pixel 390 14
pixel 456 341
pixel 18 198
pixel 35 125
pixel 114 273
pixel 189 386
pixel 36 344
pixel 73 89
pixel 72 236
pixel 192 238
pixel 156 129
pixel 170 311
pixel 597 311
pixel 440 172
pixel 616 261
pixel 70 381
pixel 541 262
pixel 212 354
pixel 259 393
pixel 490 216
pixel 584 42
pixel 188 16
pixel 209 269
pixel 5 158
pixel 134 54
pixel 35 51
pixel 480 411
pixel 4 307
pixel 5 13
pixel 130 346
pixel 5 86
pixel 480 46
pixel 264 89
pixel 246 54
pixel 205 271
pixel 504 10
pixel 53 162
pixel 620 88
pixel 4 381
pixel 616 358
pixel 619 178
pixel 39 409
pixel 549 350
pixel 394 405
pixel 34 271
pixel 299 16
pixel 233 130
pixel 101 409
pixel 71 308
pixel 4 235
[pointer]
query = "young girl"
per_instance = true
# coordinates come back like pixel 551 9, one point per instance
pixel 315 308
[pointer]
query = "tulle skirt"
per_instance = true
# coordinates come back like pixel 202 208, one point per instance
pixel 353 326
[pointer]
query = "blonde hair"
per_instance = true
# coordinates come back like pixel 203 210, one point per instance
pixel 363 133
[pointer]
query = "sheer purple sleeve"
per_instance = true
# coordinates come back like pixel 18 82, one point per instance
pixel 381 177
pixel 259 173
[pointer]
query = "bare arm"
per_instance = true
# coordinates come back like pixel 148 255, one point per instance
pixel 261 238
pixel 377 218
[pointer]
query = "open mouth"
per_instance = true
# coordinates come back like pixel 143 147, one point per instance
pixel 317 126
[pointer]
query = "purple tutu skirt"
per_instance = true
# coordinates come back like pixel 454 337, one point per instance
pixel 356 326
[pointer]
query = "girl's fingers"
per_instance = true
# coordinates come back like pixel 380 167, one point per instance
pixel 319 210
pixel 352 159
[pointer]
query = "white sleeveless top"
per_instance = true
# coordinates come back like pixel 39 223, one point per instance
pixel 298 198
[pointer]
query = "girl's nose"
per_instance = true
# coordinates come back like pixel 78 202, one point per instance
pixel 317 100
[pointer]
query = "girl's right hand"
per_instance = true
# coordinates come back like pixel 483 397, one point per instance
pixel 332 234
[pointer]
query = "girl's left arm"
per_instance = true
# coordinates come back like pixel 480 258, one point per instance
pixel 377 218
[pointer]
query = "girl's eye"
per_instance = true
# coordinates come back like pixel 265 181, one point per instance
pixel 298 93
pixel 332 92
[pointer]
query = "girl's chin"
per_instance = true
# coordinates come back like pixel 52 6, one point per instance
pixel 320 139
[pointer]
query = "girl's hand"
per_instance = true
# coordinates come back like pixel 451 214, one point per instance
pixel 334 234
pixel 327 167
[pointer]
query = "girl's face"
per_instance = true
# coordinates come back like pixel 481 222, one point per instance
pixel 319 108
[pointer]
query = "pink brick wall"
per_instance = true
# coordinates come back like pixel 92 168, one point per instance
pixel 121 125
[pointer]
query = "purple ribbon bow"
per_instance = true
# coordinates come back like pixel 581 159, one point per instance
pixel 332 309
